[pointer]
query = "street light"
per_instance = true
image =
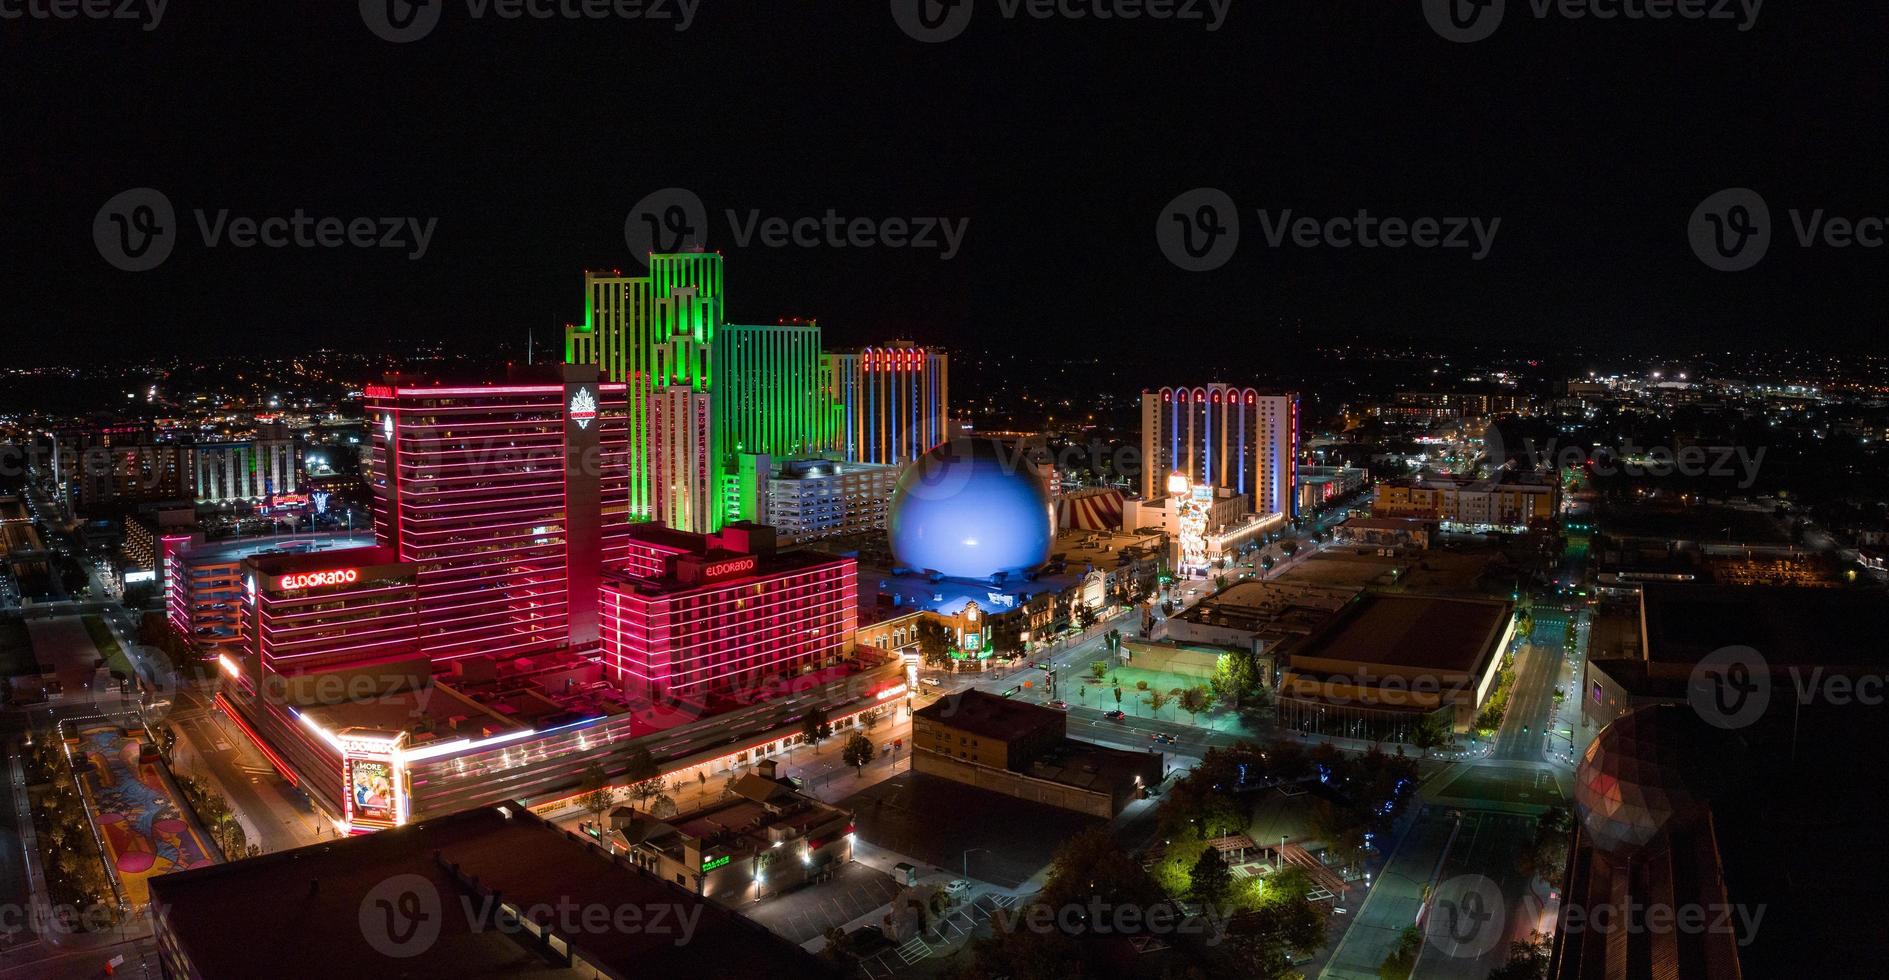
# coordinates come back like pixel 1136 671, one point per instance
pixel 967 859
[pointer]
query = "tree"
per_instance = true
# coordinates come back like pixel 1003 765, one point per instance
pixel 639 765
pixel 1211 879
pixel 838 944
pixel 1403 959
pixel 1157 701
pixel 868 718
pixel 1429 734
pixel 934 641
pixel 1289 549
pixel 1083 614
pixel 1118 697
pixel 1195 700
pixel 1267 563
pixel 814 727
pixel 1235 676
pixel 597 796
pixel 857 753
pixel 645 790
pixel 1099 669
pixel 1546 856
pixel 1528 959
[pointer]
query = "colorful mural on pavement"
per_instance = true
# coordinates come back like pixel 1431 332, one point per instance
pixel 134 805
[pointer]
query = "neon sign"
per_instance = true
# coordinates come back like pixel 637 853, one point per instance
pixel 583 408
pixel 316 580
pixel 731 567
pixel 713 863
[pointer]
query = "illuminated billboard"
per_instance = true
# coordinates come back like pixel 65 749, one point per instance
pixel 371 792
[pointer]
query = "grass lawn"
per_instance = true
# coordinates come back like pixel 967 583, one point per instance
pixel 16 649
pixel 107 645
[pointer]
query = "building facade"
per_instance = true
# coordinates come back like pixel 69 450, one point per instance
pixel 1223 436
pixel 509 498
pixel 893 402
pixel 692 615
pixel 768 393
pixel 1509 503
pixel 649 333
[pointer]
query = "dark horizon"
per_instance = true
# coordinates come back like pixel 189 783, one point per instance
pixel 528 142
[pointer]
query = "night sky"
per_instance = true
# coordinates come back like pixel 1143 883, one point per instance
pixel 1061 141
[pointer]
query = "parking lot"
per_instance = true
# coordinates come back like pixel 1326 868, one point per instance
pixel 807 913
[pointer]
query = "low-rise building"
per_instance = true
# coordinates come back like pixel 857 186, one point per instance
pixel 1023 750
pixel 1512 503
pixel 764 839
pixel 489 891
pixel 1387 662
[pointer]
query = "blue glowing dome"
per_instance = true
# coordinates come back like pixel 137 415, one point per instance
pixel 970 508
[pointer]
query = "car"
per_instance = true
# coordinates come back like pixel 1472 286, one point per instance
pixel 1115 715
pixel 931 682
pixel 1162 737
pixel 1060 703
pixel 1040 665
pixel 958 886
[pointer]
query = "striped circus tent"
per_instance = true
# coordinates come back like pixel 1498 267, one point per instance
pixel 1090 510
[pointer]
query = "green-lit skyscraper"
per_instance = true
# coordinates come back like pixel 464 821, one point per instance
pixel 653 333
pixel 770 405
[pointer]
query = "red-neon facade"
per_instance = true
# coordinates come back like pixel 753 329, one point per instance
pixel 716 619
pixel 510 499
pixel 330 609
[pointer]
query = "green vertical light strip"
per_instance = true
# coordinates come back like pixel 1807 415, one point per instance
pixel 628 320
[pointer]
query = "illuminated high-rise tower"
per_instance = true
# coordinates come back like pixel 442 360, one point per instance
pixel 768 393
pixel 1222 436
pixel 893 401
pixel 652 332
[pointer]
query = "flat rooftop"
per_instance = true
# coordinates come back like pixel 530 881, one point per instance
pixel 1788 626
pixel 990 716
pixel 314 906
pixel 1089 766
pixel 765 565
pixel 274 563
pixel 1408 631
pixel 237 549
